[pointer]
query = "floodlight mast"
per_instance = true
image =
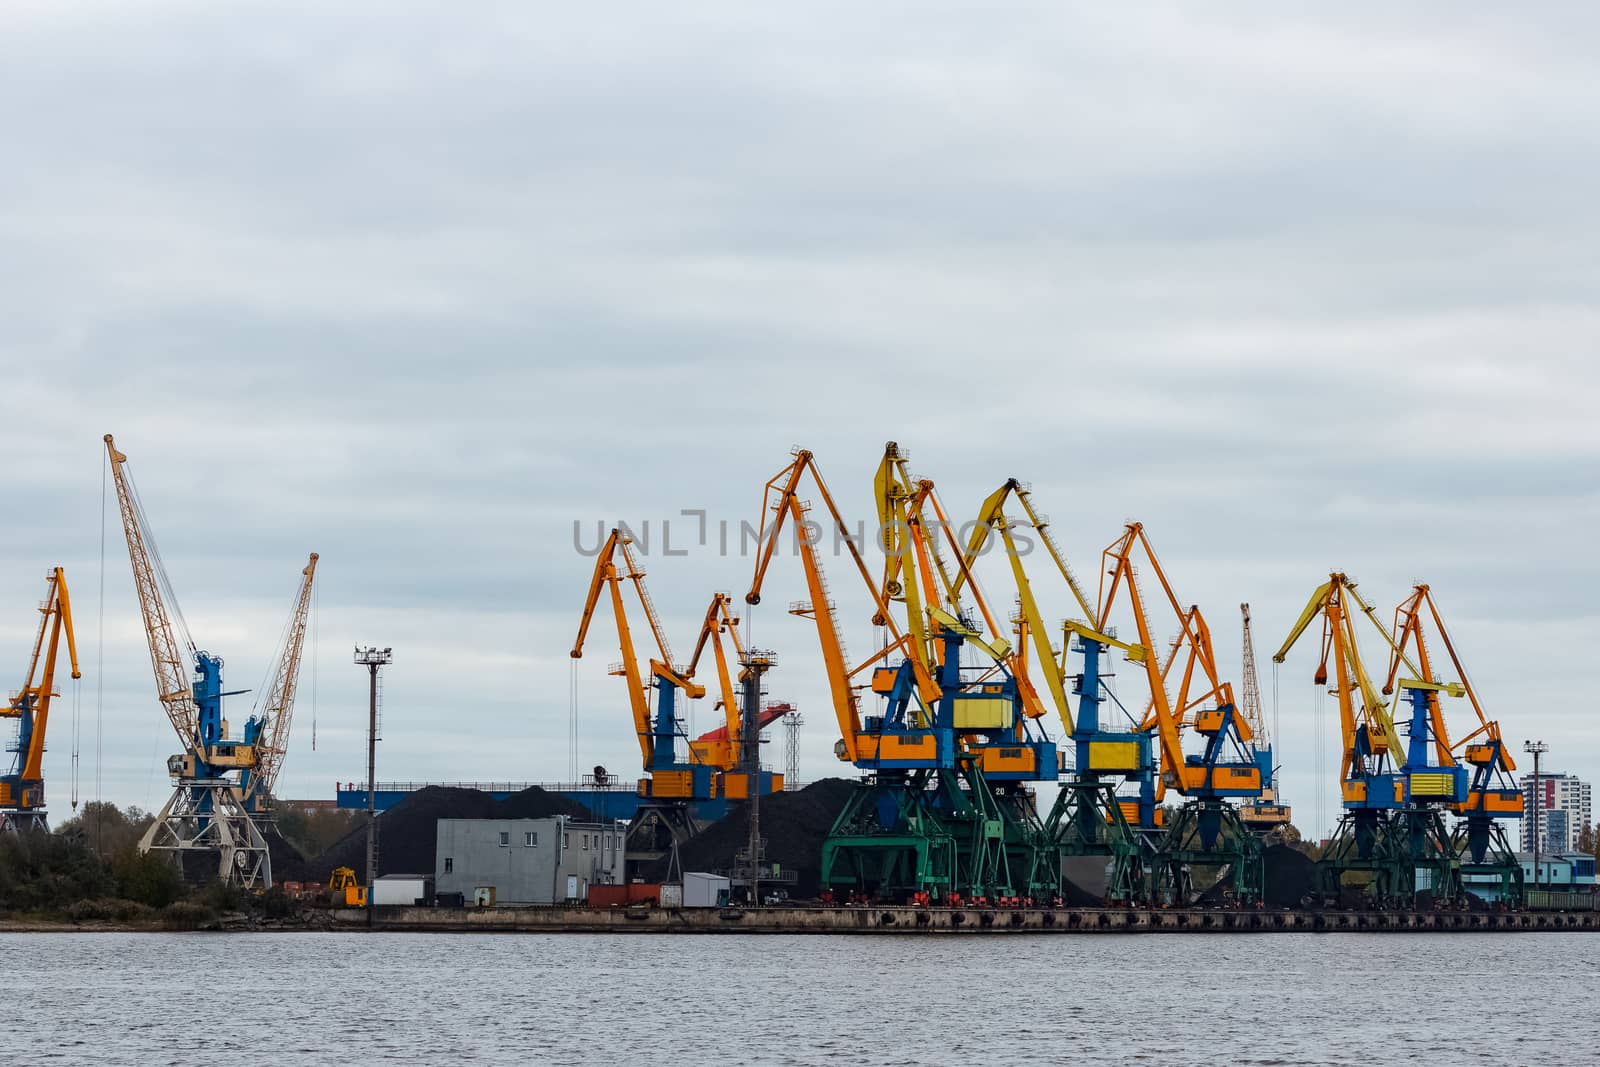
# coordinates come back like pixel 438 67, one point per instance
pixel 372 658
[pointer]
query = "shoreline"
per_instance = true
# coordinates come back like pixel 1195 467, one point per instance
pixel 859 920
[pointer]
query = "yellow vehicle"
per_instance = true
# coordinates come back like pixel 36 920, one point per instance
pixel 344 889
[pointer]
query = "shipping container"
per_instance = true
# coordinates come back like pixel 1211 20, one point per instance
pixel 403 889
pixel 608 896
pixel 644 893
pixel 701 890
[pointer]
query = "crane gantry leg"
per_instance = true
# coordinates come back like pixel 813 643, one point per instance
pixel 206 817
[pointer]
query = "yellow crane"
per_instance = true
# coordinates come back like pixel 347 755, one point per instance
pixel 22 798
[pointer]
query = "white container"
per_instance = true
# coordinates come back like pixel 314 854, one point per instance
pixel 671 896
pixel 400 889
pixel 702 890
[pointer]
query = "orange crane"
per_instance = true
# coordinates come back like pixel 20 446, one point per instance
pixel 1207 830
pixel 923 824
pixel 22 800
pixel 1492 793
pixel 677 782
pixel 669 777
pixel 1390 837
pixel 721 747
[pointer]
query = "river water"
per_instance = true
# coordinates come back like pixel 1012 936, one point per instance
pixel 352 999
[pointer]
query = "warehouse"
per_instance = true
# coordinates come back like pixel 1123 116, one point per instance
pixel 525 861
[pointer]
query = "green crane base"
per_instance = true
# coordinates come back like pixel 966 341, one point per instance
pixel 924 831
pixel 1392 856
pixel 1087 821
pixel 1207 834
pixel 1499 862
pixel 1032 853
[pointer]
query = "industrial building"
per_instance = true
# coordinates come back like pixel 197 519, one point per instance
pixel 1564 810
pixel 1564 871
pixel 526 861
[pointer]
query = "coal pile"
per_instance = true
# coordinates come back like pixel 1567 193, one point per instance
pixel 536 803
pixel 1290 876
pixel 408 832
pixel 285 857
pixel 200 868
pixel 794 824
pixel 1083 881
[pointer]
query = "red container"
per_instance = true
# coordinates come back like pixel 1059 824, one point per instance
pixel 641 892
pixel 608 896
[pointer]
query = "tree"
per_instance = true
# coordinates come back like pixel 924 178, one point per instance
pixel 46 872
pixel 106 829
pixel 147 878
pixel 312 833
pixel 1589 840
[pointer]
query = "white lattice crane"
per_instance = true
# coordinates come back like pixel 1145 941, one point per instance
pixel 1264 814
pixel 268 726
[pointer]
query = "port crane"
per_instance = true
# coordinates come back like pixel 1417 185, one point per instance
pixel 1012 759
pixel 1090 818
pixel 1391 828
pixel 722 746
pixel 22 797
pixel 676 781
pixel 923 824
pixel 1490 792
pixel 267 728
pixel 1188 693
pixel 1265 814
pixel 211 811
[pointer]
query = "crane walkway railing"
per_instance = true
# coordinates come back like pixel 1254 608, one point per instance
pixel 612 784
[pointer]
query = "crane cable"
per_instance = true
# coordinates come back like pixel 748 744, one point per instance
pixel 572 724
pixel 100 647
pixel 1277 734
pixel 1321 757
pixel 77 716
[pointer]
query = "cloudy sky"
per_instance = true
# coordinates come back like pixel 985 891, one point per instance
pixel 419 288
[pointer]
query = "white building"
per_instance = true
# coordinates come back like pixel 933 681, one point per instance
pixel 1564 810
pixel 526 861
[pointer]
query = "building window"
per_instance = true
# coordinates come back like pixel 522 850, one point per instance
pixel 566 840
pixel 530 839
pixel 586 842
pixel 505 838
pixel 449 864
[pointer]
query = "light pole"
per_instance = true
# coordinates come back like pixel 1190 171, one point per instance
pixel 372 659
pixel 1538 748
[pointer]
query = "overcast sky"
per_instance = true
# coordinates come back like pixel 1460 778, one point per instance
pixel 418 287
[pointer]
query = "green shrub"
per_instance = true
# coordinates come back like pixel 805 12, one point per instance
pixel 275 904
pixel 148 879
pixel 220 896
pixel 47 872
